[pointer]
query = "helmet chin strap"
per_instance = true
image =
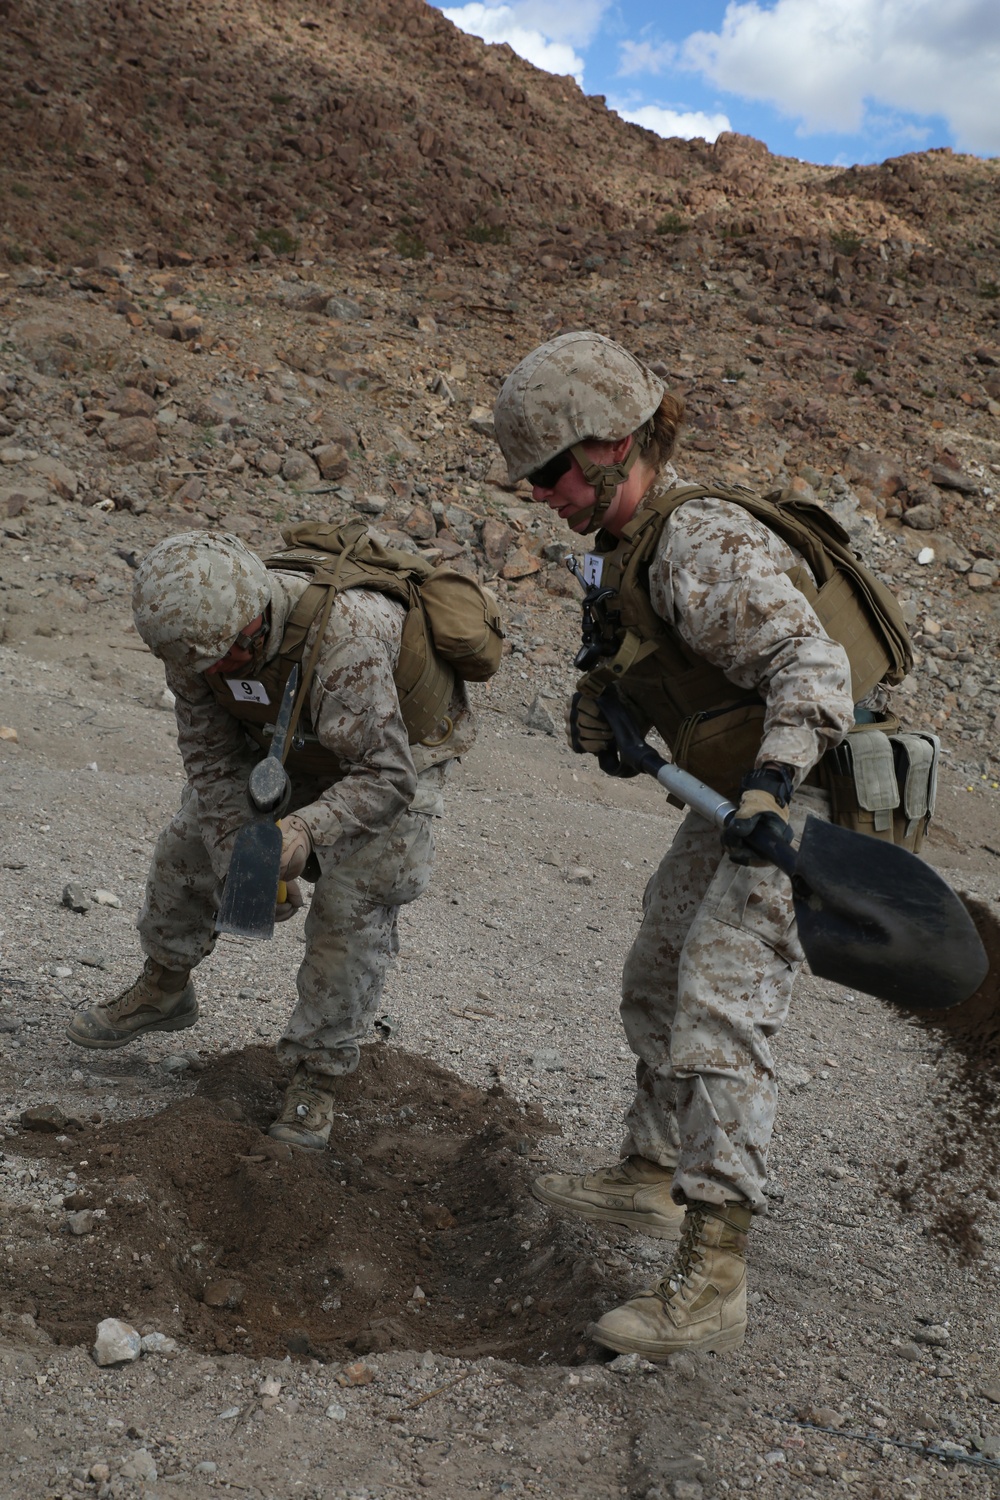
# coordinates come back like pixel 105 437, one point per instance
pixel 604 480
pixel 256 643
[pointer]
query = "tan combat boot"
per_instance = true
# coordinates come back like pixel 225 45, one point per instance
pixel 159 1000
pixel 306 1115
pixel 701 1303
pixel 635 1193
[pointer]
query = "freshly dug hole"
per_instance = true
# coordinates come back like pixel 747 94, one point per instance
pixel 209 1238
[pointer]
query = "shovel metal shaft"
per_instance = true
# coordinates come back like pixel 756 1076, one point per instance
pixel 708 804
pixel 713 807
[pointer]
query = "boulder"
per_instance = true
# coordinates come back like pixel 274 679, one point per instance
pixel 133 439
pixel 298 468
pixel 131 402
pixel 117 1343
pixel 60 478
pixel 332 460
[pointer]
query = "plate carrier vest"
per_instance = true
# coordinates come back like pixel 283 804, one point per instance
pixel 880 782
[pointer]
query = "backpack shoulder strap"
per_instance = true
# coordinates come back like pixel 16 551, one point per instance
pixel 854 606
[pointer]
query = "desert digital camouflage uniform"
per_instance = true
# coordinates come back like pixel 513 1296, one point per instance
pixel 372 830
pixel 709 977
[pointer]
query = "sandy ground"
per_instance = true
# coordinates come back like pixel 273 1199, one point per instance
pixel 864 1321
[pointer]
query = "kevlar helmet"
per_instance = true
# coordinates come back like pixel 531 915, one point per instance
pixel 193 595
pixel 577 386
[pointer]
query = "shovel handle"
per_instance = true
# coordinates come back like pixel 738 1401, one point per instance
pixel 633 749
pixel 710 805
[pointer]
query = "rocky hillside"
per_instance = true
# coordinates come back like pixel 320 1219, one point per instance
pixel 261 261
pixel 221 127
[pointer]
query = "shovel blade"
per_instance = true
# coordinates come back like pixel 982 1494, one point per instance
pixel 251 890
pixel 874 917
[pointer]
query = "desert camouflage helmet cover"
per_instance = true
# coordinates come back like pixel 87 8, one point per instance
pixel 579 385
pixel 193 595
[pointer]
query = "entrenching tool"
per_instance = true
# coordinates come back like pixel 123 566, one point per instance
pixel 252 885
pixel 870 915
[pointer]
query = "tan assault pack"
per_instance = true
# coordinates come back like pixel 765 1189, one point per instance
pixel 880 782
pixel 452 629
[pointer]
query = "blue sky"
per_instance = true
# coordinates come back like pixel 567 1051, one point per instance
pixel 834 81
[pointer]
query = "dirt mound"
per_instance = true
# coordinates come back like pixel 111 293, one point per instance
pixel 959 1168
pixel 227 1240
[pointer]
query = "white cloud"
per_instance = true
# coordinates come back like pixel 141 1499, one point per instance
pixel 645 57
pixel 499 23
pixel 822 62
pixel 577 23
pixel 689 124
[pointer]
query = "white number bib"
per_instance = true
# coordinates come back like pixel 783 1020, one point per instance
pixel 245 691
pixel 593 567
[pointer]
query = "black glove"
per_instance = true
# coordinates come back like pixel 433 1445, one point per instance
pixel 764 799
pixel 589 732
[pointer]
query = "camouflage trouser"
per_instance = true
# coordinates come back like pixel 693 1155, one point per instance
pixel 707 981
pixel 350 926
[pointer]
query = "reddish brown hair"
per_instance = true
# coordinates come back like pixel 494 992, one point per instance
pixel 658 437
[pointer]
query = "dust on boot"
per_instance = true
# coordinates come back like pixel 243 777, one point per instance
pixel 306 1114
pixel 701 1303
pixel 161 999
pixel 635 1193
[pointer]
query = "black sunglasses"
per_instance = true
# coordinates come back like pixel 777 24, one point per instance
pixel 549 475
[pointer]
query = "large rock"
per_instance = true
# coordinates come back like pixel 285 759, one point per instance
pixel 947 478
pixel 140 1467
pixel 217 410
pixel 497 540
pixel 131 402
pixel 45 1117
pixel 54 344
pixel 117 1343
pixel 520 564
pixel 298 468
pixel 983 574
pixel 343 309
pixel 335 430
pixel 481 420
pixel 158 1343
pixel 539 716
pixel 133 439
pixel 922 517
pixel 62 479
pixel 332 460
pixel 420 524
pixel 881 472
